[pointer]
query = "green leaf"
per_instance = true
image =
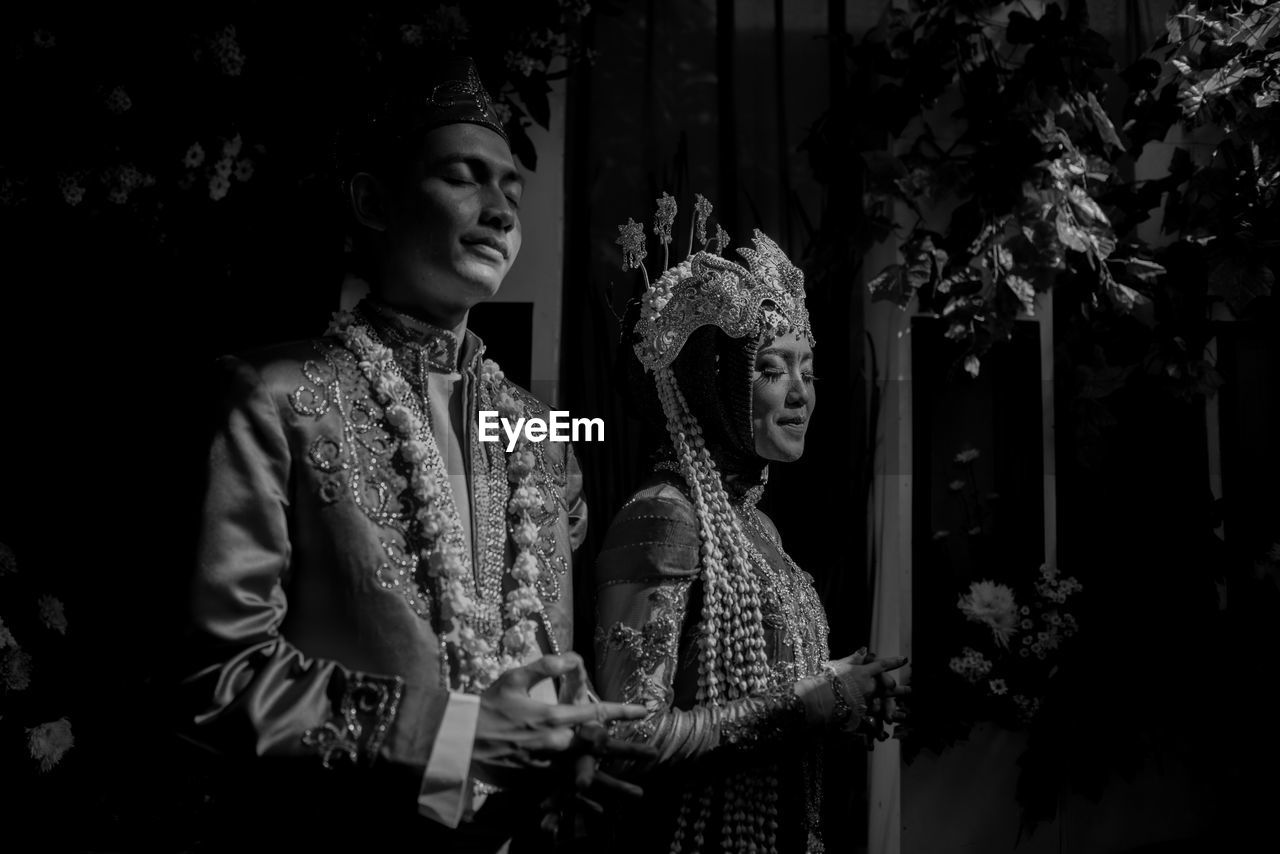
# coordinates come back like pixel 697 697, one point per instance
pixel 1102 122
pixel 891 285
pixel 1240 281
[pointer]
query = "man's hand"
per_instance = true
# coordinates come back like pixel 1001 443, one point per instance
pixel 518 737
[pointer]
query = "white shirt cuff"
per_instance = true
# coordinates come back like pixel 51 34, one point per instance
pixel 443 796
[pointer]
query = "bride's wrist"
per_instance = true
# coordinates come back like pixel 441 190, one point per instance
pixel 850 705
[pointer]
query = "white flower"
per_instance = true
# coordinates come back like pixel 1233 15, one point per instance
pixel 993 605
pixel 403 420
pixel 998 687
pixel 389 388
pixel 244 169
pixel 415 451
pixel 490 372
pixel 518 639
pixel 433 522
pixel 445 564
pixel 227 51
pixel 72 192
pixel 525 568
pixel 956 485
pixel 340 322
pixel 49 742
pixel 118 101
pixel 194 156
pixel 231 147
pixel 218 187
pixel 424 484
pixel 972 365
pixel 521 463
pixel 52 613
pixel 223 168
pixel 968 455
pixel 6 637
pixel 522 602
pixel 524 499
pixel 1274 553
pixel 525 534
pixel 973 665
pixel 508 407
pixel 16 670
pixel 521 62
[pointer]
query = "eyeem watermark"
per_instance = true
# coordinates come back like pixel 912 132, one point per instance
pixel 561 428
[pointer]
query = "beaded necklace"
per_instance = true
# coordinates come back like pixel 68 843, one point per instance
pixel 804 618
pixel 485 638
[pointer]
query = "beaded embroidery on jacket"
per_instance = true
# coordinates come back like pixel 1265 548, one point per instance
pixel 428 560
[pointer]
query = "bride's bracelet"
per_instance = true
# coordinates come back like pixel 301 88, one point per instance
pixel 844 709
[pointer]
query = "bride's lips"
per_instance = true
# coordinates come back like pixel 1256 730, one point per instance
pixel 795 424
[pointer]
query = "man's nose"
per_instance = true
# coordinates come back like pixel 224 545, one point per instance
pixel 498 212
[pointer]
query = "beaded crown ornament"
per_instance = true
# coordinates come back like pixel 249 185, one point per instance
pixel 766 295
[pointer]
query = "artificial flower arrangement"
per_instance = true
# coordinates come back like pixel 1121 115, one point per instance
pixel 28 623
pixel 1004 630
pixel 1019 626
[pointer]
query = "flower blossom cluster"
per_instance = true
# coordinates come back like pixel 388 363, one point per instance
pixel 1055 588
pixel 972 665
pixel 992 605
pixel 665 218
pixel 49 742
pixel 631 239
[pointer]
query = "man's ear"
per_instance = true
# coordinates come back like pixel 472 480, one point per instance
pixel 368 201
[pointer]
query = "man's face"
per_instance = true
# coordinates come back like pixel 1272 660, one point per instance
pixel 782 397
pixel 452 223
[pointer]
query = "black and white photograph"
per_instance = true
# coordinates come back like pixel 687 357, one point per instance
pixel 641 427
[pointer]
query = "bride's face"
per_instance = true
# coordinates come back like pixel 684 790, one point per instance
pixel 782 397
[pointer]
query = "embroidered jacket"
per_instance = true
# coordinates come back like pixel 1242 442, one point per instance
pixel 317 637
pixel 649 601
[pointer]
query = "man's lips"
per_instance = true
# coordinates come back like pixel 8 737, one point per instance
pixel 492 242
pixel 792 421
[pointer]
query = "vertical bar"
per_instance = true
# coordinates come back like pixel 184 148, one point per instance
pixel 780 106
pixel 727 138
pixel 1044 308
pixel 891 609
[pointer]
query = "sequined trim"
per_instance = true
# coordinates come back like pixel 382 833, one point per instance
pixel 551 477
pixel 653 649
pixel 356 732
pixel 779 712
pixel 359 463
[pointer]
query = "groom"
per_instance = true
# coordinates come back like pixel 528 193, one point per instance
pixel 382 602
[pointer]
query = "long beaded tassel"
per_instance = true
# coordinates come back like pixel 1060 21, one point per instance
pixel 748 819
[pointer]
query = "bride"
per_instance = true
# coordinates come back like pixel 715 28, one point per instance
pixel 701 615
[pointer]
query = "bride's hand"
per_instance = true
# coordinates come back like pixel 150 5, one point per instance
pixel 867 685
